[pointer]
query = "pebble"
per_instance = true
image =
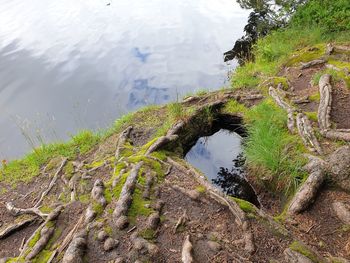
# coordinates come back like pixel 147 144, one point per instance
pixel 110 243
pixel 102 235
pixel 214 246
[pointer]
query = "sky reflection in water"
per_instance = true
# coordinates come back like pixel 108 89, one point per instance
pixel 67 65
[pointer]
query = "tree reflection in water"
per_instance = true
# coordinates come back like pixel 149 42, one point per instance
pixel 234 183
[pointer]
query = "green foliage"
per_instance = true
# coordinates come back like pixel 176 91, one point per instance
pixel 312 24
pixel 330 15
pixel 269 146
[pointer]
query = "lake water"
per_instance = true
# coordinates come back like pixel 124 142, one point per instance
pixel 220 158
pixel 67 65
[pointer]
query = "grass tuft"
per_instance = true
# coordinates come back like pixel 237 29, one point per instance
pixel 269 146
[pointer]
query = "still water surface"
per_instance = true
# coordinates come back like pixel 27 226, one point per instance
pixel 67 65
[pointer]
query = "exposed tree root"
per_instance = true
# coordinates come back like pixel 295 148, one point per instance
pixel 324 112
pixel 122 140
pixel 20 211
pixel 336 135
pixel 44 230
pixel 97 193
pixel 45 235
pixel 16 226
pixel 182 221
pixel 329 49
pixel 312 63
pixel 72 184
pixel 187 251
pixel 125 198
pixel 301 100
pixel 70 235
pixel 192 194
pixel 142 245
pixel 292 256
pixel 306 194
pixel 324 108
pixel 307 134
pixel 153 221
pixel 284 105
pixel 52 183
pixel 221 198
pixel 340 48
pixel 147 191
pixel 76 249
pixel 161 142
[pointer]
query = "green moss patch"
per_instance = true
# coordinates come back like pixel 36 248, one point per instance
pixel 307 54
pixel 312 115
pixel 148 234
pixel 138 206
pixel 244 205
pixel 304 250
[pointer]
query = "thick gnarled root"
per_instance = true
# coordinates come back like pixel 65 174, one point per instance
pixel 125 198
pixel 76 249
pixel 309 189
pixel 324 108
pixel 307 133
pixel 45 234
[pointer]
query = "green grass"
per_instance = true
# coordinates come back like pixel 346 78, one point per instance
pixel 271 149
pixel 202 92
pixel 313 25
pixel 234 107
pixel 312 115
pixel 26 168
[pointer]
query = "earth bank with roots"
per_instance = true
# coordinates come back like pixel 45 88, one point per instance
pixel 133 198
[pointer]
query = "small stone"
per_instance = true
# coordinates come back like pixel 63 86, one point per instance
pixel 119 260
pixel 159 205
pixel 90 214
pixel 214 246
pixel 110 243
pixel 122 222
pixel 147 206
pixel 193 194
pixel 153 221
pixel 342 210
pixel 200 235
pixel 102 235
